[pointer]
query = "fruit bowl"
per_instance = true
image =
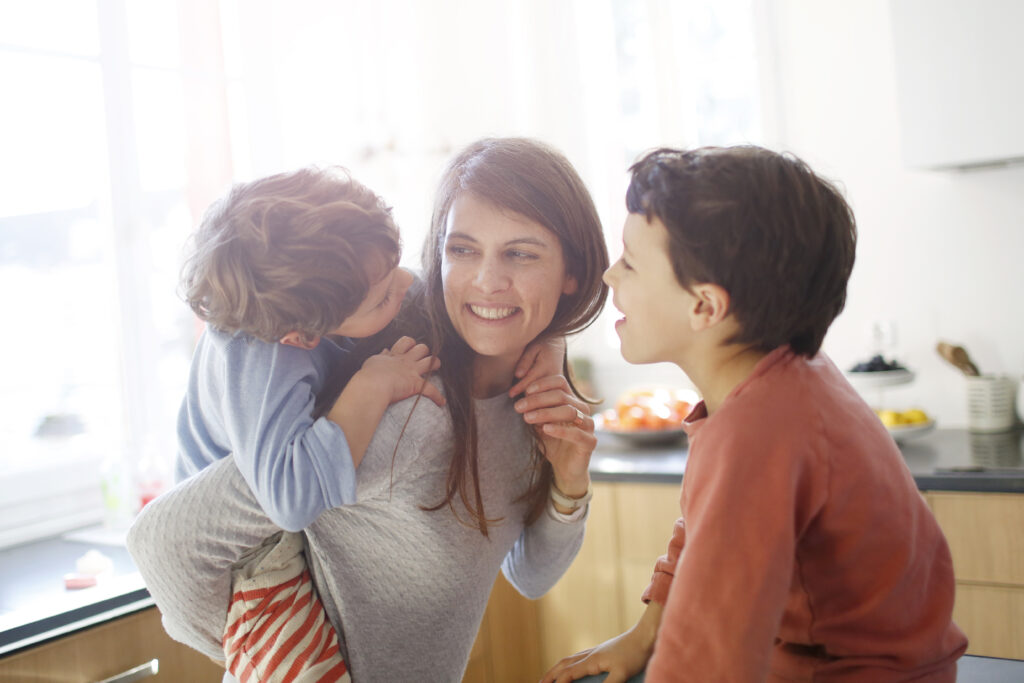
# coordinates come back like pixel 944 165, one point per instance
pixel 911 431
pixel 880 378
pixel 645 437
pixel 649 416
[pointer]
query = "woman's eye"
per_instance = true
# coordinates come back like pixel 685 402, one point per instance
pixel 458 250
pixel 522 255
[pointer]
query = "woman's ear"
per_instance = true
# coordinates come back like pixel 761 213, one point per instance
pixel 571 285
pixel 296 339
pixel 710 306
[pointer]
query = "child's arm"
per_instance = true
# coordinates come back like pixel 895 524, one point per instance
pixel 540 359
pixel 390 376
pixel 622 657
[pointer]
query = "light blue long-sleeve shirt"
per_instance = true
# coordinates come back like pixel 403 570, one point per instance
pixel 255 399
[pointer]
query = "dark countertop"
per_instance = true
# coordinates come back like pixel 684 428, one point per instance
pixel 941 460
pixel 35 606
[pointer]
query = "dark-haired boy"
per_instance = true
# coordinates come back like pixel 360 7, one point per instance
pixel 804 551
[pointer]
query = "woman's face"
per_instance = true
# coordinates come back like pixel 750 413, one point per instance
pixel 503 276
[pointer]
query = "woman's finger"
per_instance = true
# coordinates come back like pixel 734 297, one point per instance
pixel 584 440
pixel 562 414
pixel 550 400
pixel 547 383
pixel 562 665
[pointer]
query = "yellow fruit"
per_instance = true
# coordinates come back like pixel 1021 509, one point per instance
pixel 890 418
pixel 914 416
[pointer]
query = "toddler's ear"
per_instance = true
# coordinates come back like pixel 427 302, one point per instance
pixel 295 338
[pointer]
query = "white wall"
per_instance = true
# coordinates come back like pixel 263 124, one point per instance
pixel 941 254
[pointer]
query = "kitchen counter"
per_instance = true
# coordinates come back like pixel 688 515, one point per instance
pixel 35 606
pixel 942 460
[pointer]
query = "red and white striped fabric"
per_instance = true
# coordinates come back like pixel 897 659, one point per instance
pixel 277 631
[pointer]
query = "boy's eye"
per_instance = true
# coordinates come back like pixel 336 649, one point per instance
pixel 625 263
pixel 386 300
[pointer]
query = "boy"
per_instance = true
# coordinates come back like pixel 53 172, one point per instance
pixel 804 551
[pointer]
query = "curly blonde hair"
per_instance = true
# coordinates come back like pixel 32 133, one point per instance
pixel 294 251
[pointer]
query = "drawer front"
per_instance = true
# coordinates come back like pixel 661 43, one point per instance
pixel 993 619
pixel 108 650
pixel 985 533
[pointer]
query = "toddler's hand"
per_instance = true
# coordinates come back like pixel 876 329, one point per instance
pixel 401 371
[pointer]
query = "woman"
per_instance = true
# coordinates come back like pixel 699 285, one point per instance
pixel 445 497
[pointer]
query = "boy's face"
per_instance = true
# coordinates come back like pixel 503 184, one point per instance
pixel 656 326
pixel 379 307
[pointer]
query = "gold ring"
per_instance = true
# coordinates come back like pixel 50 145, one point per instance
pixel 580 417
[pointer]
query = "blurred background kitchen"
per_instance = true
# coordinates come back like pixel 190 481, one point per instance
pixel 122 119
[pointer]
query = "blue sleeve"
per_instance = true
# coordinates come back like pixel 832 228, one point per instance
pixel 295 466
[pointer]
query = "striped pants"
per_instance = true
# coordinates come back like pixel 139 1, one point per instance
pixel 277 631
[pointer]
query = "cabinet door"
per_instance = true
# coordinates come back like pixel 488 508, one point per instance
pixel 110 649
pixel 985 533
pixel 582 610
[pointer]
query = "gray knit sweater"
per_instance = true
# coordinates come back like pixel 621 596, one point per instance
pixel 405 588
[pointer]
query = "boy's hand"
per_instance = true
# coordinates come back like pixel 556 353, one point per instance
pixel 623 657
pixel 540 359
pixel 566 429
pixel 400 371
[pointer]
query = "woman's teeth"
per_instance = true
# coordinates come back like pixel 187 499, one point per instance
pixel 493 313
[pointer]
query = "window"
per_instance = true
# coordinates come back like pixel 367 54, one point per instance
pixel 98 200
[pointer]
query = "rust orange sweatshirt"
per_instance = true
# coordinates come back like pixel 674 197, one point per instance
pixel 804 551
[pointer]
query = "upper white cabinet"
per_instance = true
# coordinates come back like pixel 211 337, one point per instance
pixel 960 80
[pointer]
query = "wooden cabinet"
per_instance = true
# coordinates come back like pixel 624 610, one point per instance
pixel 598 597
pixel 986 538
pixel 109 649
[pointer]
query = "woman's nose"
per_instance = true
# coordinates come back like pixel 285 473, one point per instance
pixel 490 277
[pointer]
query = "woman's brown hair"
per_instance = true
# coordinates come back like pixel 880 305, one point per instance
pixel 530 179
pixel 777 237
pixel 292 251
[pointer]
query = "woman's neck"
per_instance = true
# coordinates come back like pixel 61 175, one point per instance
pixel 492 375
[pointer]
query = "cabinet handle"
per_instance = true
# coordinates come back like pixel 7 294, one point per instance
pixel 150 668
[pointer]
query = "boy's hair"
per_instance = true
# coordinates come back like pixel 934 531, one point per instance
pixel 292 251
pixel 777 237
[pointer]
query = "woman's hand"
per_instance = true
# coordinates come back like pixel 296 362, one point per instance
pixel 566 429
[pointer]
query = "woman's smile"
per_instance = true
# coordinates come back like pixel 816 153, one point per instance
pixel 493 313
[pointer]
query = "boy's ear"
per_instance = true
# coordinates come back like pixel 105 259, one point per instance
pixel 710 306
pixel 295 338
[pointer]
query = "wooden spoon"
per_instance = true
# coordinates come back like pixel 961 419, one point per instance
pixel 958 358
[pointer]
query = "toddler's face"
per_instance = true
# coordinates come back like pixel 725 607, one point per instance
pixel 379 307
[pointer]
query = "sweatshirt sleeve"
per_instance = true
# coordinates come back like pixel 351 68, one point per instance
pixel 743 508
pixel 296 466
pixel 185 543
pixel 665 567
pixel 544 551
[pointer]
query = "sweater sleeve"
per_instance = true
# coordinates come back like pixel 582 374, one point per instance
pixel 185 543
pixel 744 508
pixel 296 466
pixel 665 567
pixel 544 551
